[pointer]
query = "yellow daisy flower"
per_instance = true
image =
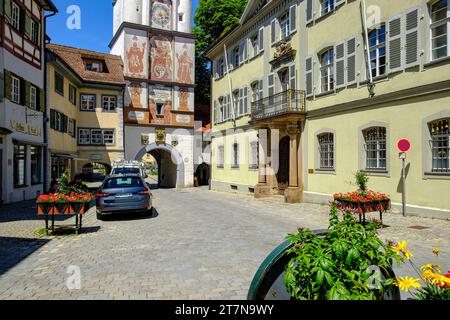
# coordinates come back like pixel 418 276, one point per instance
pixel 399 247
pixel 440 280
pixel 436 251
pixel 428 275
pixel 407 253
pixel 426 267
pixel 405 283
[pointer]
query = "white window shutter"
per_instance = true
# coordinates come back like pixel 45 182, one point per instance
pixel 293 18
pixel 340 64
pixel 215 112
pixel 309 77
pixel 395 44
pixel 293 77
pixel 273 31
pixel 246 49
pixel 261 40
pixel 241 52
pixel 309 10
pixel 246 91
pixel 350 53
pixel 412 38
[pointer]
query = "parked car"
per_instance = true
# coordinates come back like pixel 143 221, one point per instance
pixel 129 167
pixel 123 193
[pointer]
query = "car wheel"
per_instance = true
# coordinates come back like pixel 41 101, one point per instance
pixel 99 216
pixel 151 212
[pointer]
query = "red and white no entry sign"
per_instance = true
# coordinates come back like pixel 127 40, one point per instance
pixel 403 145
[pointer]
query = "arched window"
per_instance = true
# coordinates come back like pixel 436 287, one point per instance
pixel 440 145
pixel 440 25
pixel 326 150
pixel 377 44
pixel 327 70
pixel 375 147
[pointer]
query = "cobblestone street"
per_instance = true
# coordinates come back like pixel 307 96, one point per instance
pixel 199 244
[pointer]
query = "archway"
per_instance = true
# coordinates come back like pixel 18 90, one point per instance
pixel 170 164
pixel 95 171
pixel 202 174
pixel 283 170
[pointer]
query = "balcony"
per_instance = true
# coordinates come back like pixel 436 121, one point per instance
pixel 284 106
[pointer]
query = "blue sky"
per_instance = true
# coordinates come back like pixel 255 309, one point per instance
pixel 96 24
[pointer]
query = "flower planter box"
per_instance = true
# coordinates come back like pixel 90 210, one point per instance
pixel 51 205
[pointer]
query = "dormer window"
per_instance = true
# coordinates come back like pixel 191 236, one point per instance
pixel 95 65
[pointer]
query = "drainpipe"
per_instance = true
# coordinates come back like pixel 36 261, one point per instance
pixel 45 116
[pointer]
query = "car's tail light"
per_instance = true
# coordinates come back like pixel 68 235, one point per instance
pixel 145 193
pixel 99 195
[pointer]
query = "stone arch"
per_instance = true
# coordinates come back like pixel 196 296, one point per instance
pixel 175 156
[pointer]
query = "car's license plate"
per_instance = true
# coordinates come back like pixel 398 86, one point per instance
pixel 124 195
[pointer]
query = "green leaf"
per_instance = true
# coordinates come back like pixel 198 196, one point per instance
pixel 319 277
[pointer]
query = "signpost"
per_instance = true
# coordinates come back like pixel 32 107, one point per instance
pixel 403 145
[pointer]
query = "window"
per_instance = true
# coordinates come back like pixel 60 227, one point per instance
pixel 35 32
pixel 15 94
pixel 236 57
pixel 284 24
pixel 87 102
pixel 160 109
pixel 326 151
pixel 221 109
pixel 73 94
pixel 93 66
pixel 220 157
pixel 84 136
pixel 440 25
pixel 220 67
pixel 327 6
pixel 375 145
pixel 33 98
pixel 108 136
pixel 327 70
pixel 255 45
pixel 257 91
pixel 440 145
pixel 181 17
pixel 19 165
pixel 96 136
pixel 109 103
pixel 15 16
pixel 59 83
pixel 377 44
pixel 235 163
pixel 253 162
pixel 36 164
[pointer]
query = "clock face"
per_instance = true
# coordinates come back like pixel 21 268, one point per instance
pixel 161 15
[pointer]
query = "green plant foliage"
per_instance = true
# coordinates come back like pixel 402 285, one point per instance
pixel 339 266
pixel 213 18
pixel 65 186
pixel 362 180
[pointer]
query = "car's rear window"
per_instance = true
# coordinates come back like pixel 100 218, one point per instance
pixel 126 171
pixel 125 182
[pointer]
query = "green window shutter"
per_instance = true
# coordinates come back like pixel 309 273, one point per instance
pixel 2 86
pixel 41 100
pixel 7 10
pixel 8 85
pixel 27 28
pixel 52 118
pixel 23 20
pixel 26 93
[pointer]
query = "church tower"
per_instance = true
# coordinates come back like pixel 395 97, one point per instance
pixel 154 38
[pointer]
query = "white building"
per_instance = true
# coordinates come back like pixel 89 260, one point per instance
pixel 155 41
pixel 22 99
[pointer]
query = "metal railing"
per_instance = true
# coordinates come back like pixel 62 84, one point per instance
pixel 287 102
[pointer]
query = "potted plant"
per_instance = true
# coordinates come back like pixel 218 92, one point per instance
pixel 349 262
pixel 46 203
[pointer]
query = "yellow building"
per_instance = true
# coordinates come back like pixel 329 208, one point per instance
pixel 85 101
pixel 373 72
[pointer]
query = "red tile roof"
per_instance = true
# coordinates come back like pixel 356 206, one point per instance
pixel 73 58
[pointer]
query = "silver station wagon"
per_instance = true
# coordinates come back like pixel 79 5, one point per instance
pixel 123 193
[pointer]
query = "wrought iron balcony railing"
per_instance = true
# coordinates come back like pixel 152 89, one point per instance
pixel 283 103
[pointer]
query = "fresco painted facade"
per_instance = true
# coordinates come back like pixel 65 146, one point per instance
pixel 160 76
